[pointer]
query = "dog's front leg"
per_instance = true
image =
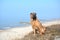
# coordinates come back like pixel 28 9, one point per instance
pixel 34 32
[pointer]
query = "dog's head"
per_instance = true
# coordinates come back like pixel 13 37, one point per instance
pixel 33 15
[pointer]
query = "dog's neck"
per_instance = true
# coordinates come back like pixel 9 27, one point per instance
pixel 34 19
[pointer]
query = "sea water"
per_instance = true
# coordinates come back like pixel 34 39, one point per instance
pixel 16 23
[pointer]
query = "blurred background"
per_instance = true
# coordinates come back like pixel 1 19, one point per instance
pixel 12 12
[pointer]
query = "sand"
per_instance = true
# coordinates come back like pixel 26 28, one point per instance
pixel 18 33
pixel 13 33
pixel 52 33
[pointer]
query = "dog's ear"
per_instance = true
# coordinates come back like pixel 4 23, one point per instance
pixel 33 13
pixel 30 13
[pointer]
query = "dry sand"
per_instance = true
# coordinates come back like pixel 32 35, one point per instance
pixel 19 33
pixel 52 33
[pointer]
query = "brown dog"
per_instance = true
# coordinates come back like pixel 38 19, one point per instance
pixel 36 25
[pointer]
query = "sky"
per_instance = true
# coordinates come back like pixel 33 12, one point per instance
pixel 13 11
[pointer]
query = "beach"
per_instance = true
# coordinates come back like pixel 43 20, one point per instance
pixel 19 33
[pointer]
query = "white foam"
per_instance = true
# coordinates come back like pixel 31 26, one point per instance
pixel 20 32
